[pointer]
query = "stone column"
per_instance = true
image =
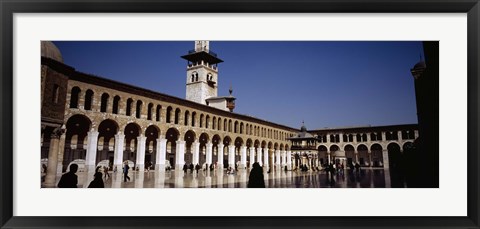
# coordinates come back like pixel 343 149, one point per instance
pixel 61 152
pixel 220 156
pixel 209 147
pixel 50 177
pixel 265 159
pixel 140 161
pixel 252 156
pixel 277 159
pixel 196 152
pixel 118 153
pixel 329 157
pixel 259 156
pixel 385 159
pixel 356 157
pixel 231 156
pixel 243 157
pixel 180 153
pixel 289 160
pixel 284 158
pixel 91 156
pixel 370 158
pixel 161 153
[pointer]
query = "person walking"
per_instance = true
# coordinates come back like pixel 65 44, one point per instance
pixel 191 167
pixel 256 179
pixel 97 181
pixel 105 170
pixel 197 167
pixel 185 168
pixel 125 172
pixel 69 179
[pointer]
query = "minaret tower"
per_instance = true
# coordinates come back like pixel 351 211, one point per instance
pixel 202 73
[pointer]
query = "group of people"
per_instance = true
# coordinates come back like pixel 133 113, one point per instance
pixel 191 167
pixel 70 178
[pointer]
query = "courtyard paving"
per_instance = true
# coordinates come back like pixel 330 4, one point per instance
pixel 366 178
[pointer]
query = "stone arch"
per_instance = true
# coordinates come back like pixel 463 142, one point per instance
pixel 323 154
pixel 169 114
pixel 132 131
pixel 281 146
pixel 77 128
pixel 186 117
pixel 88 100
pixel 275 146
pixel 363 155
pixel 158 113
pixel 241 127
pixel 152 133
pixel 235 127
pixel 74 97
pixel 394 156
pixel 215 141
pixel 214 123
pixel 149 111
pixel 377 155
pixel 350 154
pixel 189 138
pixel 407 146
pixel 128 111
pixel 194 116
pixel 238 144
pixel 256 143
pixel 104 102
pixel 116 104
pixel 177 115
pixel 207 121
pixel 229 125
pixel 219 125
pixel 264 144
pixel 201 121
pixel 138 109
pixel 172 135
pixel 203 139
pixel 106 141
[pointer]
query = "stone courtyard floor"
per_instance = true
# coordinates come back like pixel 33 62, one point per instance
pixel 367 178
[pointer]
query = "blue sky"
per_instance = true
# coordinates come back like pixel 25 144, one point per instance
pixel 326 84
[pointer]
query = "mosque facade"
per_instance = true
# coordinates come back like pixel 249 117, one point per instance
pixel 94 121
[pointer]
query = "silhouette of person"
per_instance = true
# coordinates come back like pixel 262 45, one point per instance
pixel 125 172
pixel 97 182
pixel 105 170
pixel 197 167
pixel 211 167
pixel 191 168
pixel 70 179
pixel 185 168
pixel 255 180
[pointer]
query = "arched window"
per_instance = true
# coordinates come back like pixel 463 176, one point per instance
pixel 241 128
pixel 139 109
pixel 235 128
pixel 214 123
pixel 159 109
pixel 169 114
pixel 116 100
pixel 201 120
pixel 219 126
pixel 56 89
pixel 187 116
pixel 207 121
pixel 194 116
pixel 149 111
pixel 129 107
pixel 225 128
pixel 177 115
pixel 230 125
pixel 88 100
pixel 74 97
pixel 104 102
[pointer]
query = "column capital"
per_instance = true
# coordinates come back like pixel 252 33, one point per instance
pixel 180 142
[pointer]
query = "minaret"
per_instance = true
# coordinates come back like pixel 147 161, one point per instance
pixel 202 73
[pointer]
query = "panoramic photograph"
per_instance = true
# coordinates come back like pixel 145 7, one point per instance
pixel 239 114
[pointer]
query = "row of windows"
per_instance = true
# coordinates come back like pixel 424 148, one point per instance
pixel 406 134
pixel 173 116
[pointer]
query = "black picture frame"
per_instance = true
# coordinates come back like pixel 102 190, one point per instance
pixel 10 7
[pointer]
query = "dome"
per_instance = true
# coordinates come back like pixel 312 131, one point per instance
pixel 420 64
pixel 303 128
pixel 51 51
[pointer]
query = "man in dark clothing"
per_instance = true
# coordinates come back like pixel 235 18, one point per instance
pixel 191 168
pixel 70 179
pixel 197 167
pixel 125 172
pixel 185 168
pixel 256 180
pixel 97 182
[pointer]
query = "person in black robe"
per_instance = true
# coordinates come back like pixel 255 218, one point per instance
pixel 256 180
pixel 70 179
pixel 97 182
